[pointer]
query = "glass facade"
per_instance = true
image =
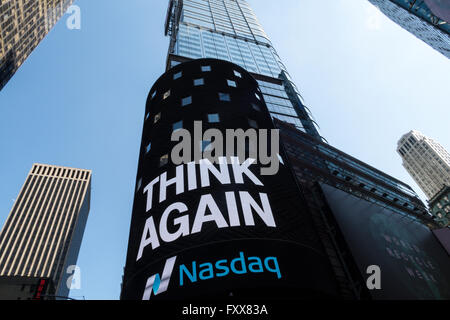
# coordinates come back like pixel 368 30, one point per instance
pixel 317 161
pixel 229 30
pixel 422 18
pixel 23 25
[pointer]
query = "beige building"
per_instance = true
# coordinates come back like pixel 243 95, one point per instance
pixel 23 24
pixel 43 232
pixel 426 161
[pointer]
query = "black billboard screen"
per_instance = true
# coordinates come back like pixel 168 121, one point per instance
pixel 201 229
pixel 413 264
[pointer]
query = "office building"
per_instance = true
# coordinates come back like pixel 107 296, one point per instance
pixel 327 218
pixel 22 27
pixel 365 217
pixel 43 232
pixel 440 206
pixel 191 215
pixel 229 30
pixel 428 20
pixel 426 161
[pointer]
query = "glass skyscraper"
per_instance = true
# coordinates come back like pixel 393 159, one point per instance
pixel 352 214
pixel 22 27
pixel 229 30
pixel 428 20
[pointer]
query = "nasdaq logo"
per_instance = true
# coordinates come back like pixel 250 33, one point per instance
pixel 158 284
pixel 195 272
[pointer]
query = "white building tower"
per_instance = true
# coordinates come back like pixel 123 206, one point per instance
pixel 426 161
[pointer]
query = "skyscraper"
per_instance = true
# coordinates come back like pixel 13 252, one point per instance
pixel 43 232
pixel 229 30
pixel 428 20
pixel 426 161
pixel 23 25
pixel 192 223
pixel 345 197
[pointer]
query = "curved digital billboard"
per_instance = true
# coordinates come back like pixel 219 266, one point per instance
pixel 217 224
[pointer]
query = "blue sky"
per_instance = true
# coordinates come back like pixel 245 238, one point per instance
pixel 79 101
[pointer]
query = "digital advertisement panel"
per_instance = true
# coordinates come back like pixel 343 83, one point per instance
pixel 237 232
pixel 413 263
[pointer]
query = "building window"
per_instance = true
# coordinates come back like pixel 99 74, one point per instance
pixel 186 101
pixel 205 145
pixel 166 95
pixel 177 125
pixel 257 96
pixel 157 117
pixel 231 83
pixel 147 116
pixel 163 160
pixel 256 107
pixel 153 94
pixel 139 184
pixel 213 118
pixel 177 75
pixel 148 147
pixel 237 74
pixel 199 82
pixel 206 68
pixel 224 96
pixel 253 123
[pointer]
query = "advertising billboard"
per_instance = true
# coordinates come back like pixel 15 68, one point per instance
pixel 212 230
pixel 412 262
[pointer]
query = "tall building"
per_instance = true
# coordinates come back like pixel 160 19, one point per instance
pixel 229 30
pixel 364 217
pixel 426 161
pixel 23 25
pixel 43 232
pixel 325 217
pixel 440 206
pixel 204 228
pixel 428 20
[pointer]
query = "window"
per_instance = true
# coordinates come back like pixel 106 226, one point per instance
pixel 148 147
pixel 213 118
pixel 256 107
pixel 253 123
pixel 157 117
pixel 231 83
pixel 237 74
pixel 177 125
pixel 224 96
pixel 206 68
pixel 186 101
pixel 177 75
pixel 147 116
pixel 199 82
pixel 163 160
pixel 205 145
pixel 153 94
pixel 139 184
pixel 166 95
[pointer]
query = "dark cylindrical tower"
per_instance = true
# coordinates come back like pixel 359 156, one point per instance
pixel 201 229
